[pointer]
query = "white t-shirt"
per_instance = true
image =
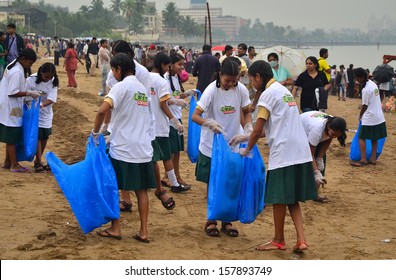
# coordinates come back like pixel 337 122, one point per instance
pixel 285 134
pixel 314 123
pixel 384 86
pixel 223 106
pixel 51 93
pixel 159 89
pixel 176 110
pixel 130 139
pixel 371 97
pixel 11 108
pixel 143 76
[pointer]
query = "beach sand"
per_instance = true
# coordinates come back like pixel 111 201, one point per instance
pixel 37 222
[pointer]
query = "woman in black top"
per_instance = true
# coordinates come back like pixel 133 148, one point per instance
pixel 309 80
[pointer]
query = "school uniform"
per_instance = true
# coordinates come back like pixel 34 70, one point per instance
pixel 159 92
pixel 11 108
pixel 130 143
pixel 225 107
pixel 373 120
pixel 46 113
pixel 290 177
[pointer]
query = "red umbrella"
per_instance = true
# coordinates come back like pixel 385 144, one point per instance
pixel 219 48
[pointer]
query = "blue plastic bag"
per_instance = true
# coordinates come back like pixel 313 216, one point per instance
pixel 355 149
pixel 30 126
pixel 226 172
pixel 90 186
pixel 251 202
pixel 194 131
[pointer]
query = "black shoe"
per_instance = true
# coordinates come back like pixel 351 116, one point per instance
pixel 179 189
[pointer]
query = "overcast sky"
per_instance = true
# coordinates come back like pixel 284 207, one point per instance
pixel 333 14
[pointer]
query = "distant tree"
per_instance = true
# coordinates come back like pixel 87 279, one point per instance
pixel 171 16
pixel 116 6
pixel 96 8
pixel 21 4
pixel 83 10
pixel 189 28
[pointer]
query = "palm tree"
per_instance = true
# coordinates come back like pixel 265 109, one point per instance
pixel 128 7
pixel 171 16
pixel 116 6
pixel 96 8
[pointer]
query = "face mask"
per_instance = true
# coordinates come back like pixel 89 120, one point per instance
pixel 273 63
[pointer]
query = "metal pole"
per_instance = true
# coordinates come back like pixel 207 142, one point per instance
pixel 210 26
pixel 206 28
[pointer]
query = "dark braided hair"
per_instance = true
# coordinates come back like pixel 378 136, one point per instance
pixel 47 68
pixel 228 67
pixel 123 61
pixel 264 70
pixel 361 73
pixel 159 59
pixel 339 125
pixel 121 46
pixel 175 57
pixel 27 53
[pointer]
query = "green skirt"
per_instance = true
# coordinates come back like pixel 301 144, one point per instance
pixel 176 141
pixel 290 184
pixel 161 149
pixel 44 133
pixel 134 176
pixel 373 132
pixel 11 135
pixel 202 168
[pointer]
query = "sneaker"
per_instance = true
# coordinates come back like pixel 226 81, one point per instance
pixel 179 189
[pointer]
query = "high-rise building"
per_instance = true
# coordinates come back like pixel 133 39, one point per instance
pixel 198 2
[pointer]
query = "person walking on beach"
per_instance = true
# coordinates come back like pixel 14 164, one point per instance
pixel 342 83
pixel 104 63
pixel 56 46
pixel 3 54
pixel 13 90
pixel 227 92
pixel 130 153
pixel 14 43
pixel 92 51
pixel 323 65
pixel 372 118
pixel 70 65
pixel 46 81
pixel 351 81
pixel 86 56
pixel 204 68
pixel 290 177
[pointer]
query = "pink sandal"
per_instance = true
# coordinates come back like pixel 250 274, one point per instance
pixel 300 246
pixel 267 246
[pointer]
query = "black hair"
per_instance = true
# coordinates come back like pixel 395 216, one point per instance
pixel 262 68
pixel 47 67
pixel 314 60
pixel 323 51
pixel 175 57
pixel 126 64
pixel 228 48
pixel 159 59
pixel 361 73
pixel 27 53
pixel 250 48
pixel 243 46
pixel 206 48
pixel 1 33
pixel 101 42
pixel 70 45
pixel 228 67
pixel 337 124
pixel 273 55
pixel 122 46
pixel 11 25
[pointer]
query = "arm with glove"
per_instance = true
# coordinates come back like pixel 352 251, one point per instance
pixel 174 121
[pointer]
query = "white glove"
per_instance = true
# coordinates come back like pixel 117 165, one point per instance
pixel 190 92
pixel 237 139
pixel 103 129
pixel 95 136
pixel 178 102
pixel 176 124
pixel 319 163
pixel 319 179
pixel 245 152
pixel 214 126
pixel 248 128
pixel 33 93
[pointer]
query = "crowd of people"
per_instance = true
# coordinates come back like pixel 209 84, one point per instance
pixel 243 99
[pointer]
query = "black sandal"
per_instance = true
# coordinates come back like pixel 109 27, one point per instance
pixel 231 232
pixel 38 168
pixel 127 206
pixel 169 204
pixel 212 232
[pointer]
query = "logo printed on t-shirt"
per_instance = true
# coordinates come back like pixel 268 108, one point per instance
pixel 176 94
pixel 289 99
pixel 319 115
pixel 376 92
pixel 141 99
pixel 228 109
pixel 152 91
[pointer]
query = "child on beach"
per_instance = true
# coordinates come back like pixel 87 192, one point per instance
pixel 225 92
pixel 321 129
pixel 130 142
pixel 46 81
pixel 290 177
pixel 176 138
pixel 371 116
pixel 12 93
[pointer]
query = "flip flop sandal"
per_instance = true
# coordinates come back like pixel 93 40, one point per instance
pixel 169 204
pixel 297 248
pixel 140 239
pixel 20 170
pixel 212 232
pixel 231 232
pixel 267 246
pixel 127 206
pixel 358 163
pixel 47 167
pixel 107 234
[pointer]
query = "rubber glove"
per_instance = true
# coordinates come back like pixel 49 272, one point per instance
pixel 319 179
pixel 244 152
pixel 248 128
pixel 237 139
pixel 33 93
pixel 178 102
pixel 214 126
pixel 103 129
pixel 190 92
pixel 95 136
pixel 320 163
pixel 177 125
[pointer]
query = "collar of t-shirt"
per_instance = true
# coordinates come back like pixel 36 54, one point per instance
pixel 270 82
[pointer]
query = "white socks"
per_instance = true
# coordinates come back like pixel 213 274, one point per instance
pixel 172 178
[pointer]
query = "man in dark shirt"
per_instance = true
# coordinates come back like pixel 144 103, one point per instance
pixel 351 81
pixel 93 49
pixel 204 67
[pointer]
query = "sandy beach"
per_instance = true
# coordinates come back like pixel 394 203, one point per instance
pixel 37 222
